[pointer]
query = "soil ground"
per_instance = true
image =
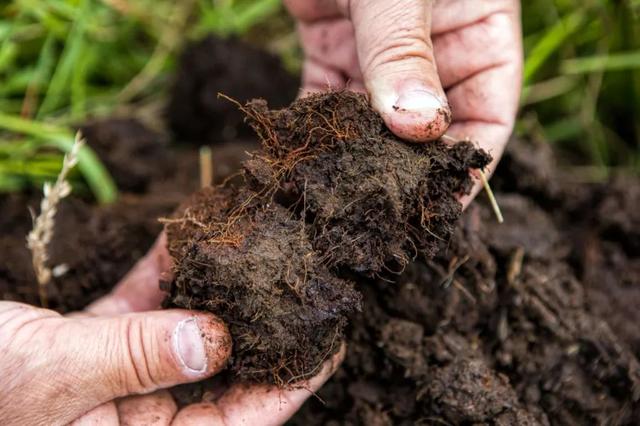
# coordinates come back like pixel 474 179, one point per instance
pixel 530 322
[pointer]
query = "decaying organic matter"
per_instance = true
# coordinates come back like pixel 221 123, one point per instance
pixel 332 198
pixel 523 323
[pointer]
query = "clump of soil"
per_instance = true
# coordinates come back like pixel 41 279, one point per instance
pixel 284 308
pixel 332 197
pixel 133 154
pixel 498 329
pixel 212 65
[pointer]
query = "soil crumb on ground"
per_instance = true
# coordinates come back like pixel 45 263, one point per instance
pixel 213 65
pixel 332 198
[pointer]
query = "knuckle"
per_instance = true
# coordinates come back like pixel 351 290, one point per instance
pixel 19 323
pixel 137 352
pixel 400 46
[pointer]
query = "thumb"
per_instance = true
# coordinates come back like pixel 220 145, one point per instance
pixel 74 365
pixel 396 56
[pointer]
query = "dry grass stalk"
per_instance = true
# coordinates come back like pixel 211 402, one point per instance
pixel 206 167
pixel 43 225
pixel 492 198
pixel 485 185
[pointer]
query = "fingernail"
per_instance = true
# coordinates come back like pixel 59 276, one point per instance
pixel 419 101
pixel 189 346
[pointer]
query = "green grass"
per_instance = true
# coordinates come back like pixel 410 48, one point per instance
pixel 582 80
pixel 63 61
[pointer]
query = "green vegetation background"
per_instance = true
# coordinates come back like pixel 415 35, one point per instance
pixel 63 61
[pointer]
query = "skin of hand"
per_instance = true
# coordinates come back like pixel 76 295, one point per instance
pixel 428 66
pixel 110 364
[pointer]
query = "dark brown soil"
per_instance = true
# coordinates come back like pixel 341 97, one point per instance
pixel 133 154
pixel 212 65
pixel 498 329
pixel 332 197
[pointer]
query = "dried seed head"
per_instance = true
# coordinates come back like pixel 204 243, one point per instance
pixel 43 225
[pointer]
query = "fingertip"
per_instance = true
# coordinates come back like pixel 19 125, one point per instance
pixel 417 115
pixel 202 344
pixel 202 414
pixel 217 341
pixel 157 408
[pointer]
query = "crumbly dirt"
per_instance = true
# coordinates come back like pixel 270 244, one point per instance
pixel 332 197
pixel 499 329
pixel 133 154
pixel 212 65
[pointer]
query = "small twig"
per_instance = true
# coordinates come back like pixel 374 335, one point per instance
pixel 492 198
pixel 43 225
pixel 485 184
pixel 206 167
pixel 515 265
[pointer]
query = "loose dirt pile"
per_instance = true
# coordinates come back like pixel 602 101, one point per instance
pixel 95 246
pixel 333 197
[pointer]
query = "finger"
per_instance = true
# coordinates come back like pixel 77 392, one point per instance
pixel 103 415
pixel 139 290
pixel 455 63
pixel 485 109
pixel 267 405
pixel 202 414
pixel 330 54
pixel 95 360
pixel 313 10
pixel 320 77
pixel 156 409
pixel 450 15
pixel 396 56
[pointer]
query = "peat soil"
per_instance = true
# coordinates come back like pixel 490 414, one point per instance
pixel 332 197
pixel 529 322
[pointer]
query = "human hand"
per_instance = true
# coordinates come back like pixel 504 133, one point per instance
pixel 77 369
pixel 429 67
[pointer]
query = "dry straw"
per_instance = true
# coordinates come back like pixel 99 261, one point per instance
pixel 43 225
pixel 485 185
